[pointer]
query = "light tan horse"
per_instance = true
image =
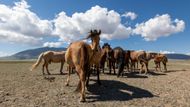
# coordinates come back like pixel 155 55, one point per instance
pixel 79 55
pixel 160 58
pixel 48 57
pixel 140 56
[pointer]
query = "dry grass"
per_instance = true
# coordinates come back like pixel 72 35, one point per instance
pixel 21 87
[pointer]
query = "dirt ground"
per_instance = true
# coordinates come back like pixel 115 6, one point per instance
pixel 20 87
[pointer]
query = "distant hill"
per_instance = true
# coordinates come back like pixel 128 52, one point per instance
pixel 31 53
pixel 178 56
pixel 34 53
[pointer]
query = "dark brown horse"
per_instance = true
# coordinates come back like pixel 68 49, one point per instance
pixel 127 59
pixel 48 57
pixel 79 55
pixel 119 56
pixel 110 57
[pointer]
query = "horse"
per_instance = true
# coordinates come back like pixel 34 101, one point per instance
pixel 105 58
pixel 48 57
pixel 98 61
pixel 119 56
pixel 79 55
pixel 149 56
pixel 110 57
pixel 160 58
pixel 140 56
pixel 127 59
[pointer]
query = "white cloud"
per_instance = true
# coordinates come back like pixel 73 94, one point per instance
pixel 130 15
pixel 74 27
pixel 2 54
pixel 20 25
pixel 159 26
pixel 52 44
pixel 167 52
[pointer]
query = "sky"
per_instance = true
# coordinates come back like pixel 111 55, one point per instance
pixel 150 25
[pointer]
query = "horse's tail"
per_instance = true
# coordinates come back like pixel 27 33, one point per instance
pixel 165 59
pixel 84 59
pixel 37 62
pixel 143 58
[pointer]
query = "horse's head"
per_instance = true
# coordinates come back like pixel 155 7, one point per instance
pixel 95 37
pixel 153 55
pixel 108 50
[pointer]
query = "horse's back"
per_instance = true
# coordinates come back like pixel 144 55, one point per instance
pixel 73 53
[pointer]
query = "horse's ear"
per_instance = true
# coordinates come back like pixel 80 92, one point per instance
pixel 99 32
pixel 95 31
pixel 90 31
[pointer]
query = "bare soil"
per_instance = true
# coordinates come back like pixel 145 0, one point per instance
pixel 20 87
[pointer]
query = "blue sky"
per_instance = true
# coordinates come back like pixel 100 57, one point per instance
pixel 132 24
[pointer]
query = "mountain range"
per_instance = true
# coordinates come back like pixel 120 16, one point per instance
pixel 31 53
pixel 34 53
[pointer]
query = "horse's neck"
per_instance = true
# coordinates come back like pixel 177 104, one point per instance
pixel 149 57
pixel 94 45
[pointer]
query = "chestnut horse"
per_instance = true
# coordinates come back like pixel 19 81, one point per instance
pixel 160 58
pixel 140 56
pixel 149 56
pixel 79 55
pixel 48 57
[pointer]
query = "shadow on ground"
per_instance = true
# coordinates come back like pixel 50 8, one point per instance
pixel 175 70
pixel 113 90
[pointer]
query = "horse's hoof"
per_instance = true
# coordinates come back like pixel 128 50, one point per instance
pixel 66 84
pixel 77 90
pixel 82 100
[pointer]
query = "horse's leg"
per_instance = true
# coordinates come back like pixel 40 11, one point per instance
pixel 43 68
pixel 165 68
pixel 79 83
pixel 98 75
pixel 103 67
pixel 47 69
pixel 159 67
pixel 142 65
pixel 132 64
pixel 68 78
pixel 113 65
pixel 119 69
pixel 110 64
pixel 146 65
pixel 88 76
pixel 127 66
pixel 82 81
pixel 62 63
pixel 156 66
pixel 137 65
